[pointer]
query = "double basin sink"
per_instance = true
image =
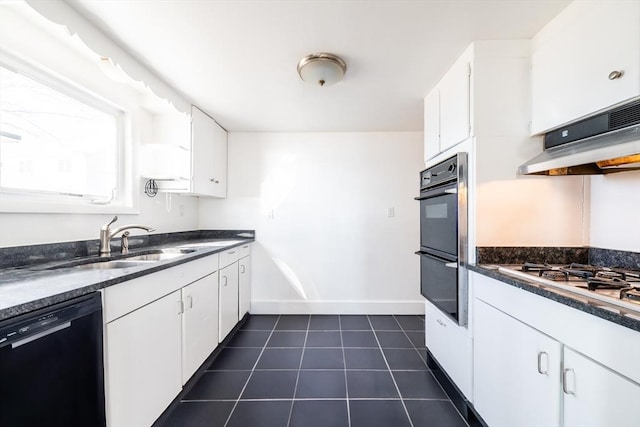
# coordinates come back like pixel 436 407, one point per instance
pixel 150 257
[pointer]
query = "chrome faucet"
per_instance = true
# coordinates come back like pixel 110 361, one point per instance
pixel 106 234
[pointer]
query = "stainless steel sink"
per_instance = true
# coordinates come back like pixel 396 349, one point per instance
pixel 109 265
pixel 161 255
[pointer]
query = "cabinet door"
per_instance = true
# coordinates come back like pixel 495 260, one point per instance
pixel 219 167
pixel 573 56
pixel 431 124
pixel 515 371
pixel 244 304
pixel 199 323
pixel 450 345
pixel 208 156
pixel 228 299
pixel 593 394
pixel 455 105
pixel 143 360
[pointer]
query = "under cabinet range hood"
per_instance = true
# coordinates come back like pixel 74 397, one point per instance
pixel 605 143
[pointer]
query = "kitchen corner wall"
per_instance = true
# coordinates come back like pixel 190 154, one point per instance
pixel 615 211
pixel 319 203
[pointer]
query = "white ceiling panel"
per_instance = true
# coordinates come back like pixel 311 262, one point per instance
pixel 237 59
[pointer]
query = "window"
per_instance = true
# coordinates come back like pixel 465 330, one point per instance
pixel 57 143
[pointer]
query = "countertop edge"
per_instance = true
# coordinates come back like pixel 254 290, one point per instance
pixel 84 289
pixel 558 297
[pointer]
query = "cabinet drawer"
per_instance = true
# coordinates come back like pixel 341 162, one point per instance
pixel 229 257
pixel 244 250
pixel 127 296
pixel 450 345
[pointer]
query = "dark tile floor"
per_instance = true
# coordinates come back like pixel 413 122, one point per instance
pixel 325 371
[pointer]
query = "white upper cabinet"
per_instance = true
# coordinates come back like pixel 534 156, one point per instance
pixel 573 59
pixel 455 105
pixel 431 124
pixel 187 154
pixel 484 95
pixel 447 110
pixel 208 156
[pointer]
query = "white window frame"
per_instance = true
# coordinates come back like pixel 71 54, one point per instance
pixel 32 201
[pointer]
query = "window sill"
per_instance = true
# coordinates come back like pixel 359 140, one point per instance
pixel 31 206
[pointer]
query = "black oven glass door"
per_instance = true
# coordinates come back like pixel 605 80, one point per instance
pixel 439 283
pixel 439 222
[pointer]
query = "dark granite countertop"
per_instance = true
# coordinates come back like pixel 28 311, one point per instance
pixel 32 277
pixel 595 307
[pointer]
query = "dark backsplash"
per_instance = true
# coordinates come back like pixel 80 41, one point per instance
pixel 555 255
pixel 19 256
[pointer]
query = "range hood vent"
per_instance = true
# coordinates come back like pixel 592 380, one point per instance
pixel 605 143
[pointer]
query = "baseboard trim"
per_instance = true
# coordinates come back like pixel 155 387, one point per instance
pixel 336 307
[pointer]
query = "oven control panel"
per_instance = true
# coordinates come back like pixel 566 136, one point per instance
pixel 441 173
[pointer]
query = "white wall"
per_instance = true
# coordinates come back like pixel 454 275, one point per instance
pixel 615 211
pixel 330 246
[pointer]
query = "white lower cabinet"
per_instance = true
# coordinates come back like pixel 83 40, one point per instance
pixel 538 363
pixel 516 371
pixel 228 299
pixel 593 394
pixel 143 361
pixel 199 323
pixel 244 283
pixel 450 345
pixel 159 329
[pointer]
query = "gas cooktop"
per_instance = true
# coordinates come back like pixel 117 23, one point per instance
pixel 614 286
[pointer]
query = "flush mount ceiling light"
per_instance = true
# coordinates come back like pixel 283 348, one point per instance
pixel 323 69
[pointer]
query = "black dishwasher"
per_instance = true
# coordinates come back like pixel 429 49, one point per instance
pixel 51 366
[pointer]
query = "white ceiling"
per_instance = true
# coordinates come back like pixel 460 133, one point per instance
pixel 237 59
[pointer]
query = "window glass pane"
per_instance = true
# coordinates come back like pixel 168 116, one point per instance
pixel 52 142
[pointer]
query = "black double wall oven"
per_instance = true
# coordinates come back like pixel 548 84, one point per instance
pixel 443 236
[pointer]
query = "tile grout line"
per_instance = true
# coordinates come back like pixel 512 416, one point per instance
pixel 406 411
pixel 235 405
pixel 429 369
pixel 346 381
pixel 295 388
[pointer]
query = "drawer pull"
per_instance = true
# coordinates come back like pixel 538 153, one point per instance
pixel 616 74
pixel 225 280
pixel 543 355
pixel 565 382
pixel 242 269
pixel 231 252
pixel 441 323
pixel 451 265
pixel 189 301
pixel 180 307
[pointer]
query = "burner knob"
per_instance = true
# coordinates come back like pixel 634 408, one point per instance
pixel 452 167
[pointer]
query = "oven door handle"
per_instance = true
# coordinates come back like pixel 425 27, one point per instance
pixel 452 264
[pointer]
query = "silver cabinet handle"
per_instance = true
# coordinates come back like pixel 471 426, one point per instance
pixel 180 307
pixel 545 356
pixel 215 181
pixel 441 323
pixel 451 265
pixel 189 301
pixel 242 269
pixel 616 74
pixel 245 246
pixel 565 381
pixel 225 280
